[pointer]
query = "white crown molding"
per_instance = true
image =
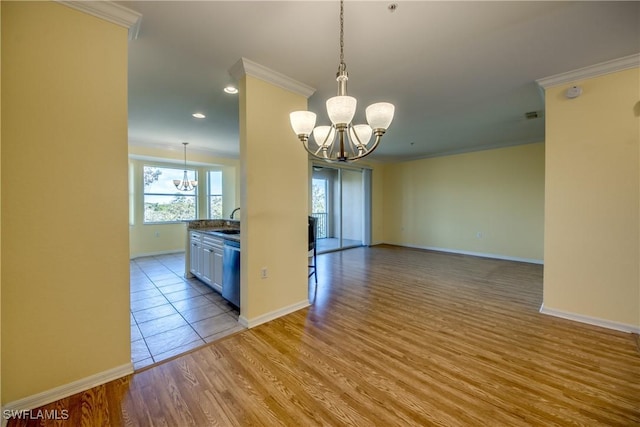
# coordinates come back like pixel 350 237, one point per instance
pixel 603 323
pixel 615 65
pixel 486 147
pixel 66 390
pixel 251 323
pixel 171 147
pixel 109 11
pixel 246 67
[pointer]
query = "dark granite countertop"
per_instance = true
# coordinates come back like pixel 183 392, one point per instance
pixel 216 227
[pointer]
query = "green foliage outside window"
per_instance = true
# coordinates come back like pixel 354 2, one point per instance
pixel 215 206
pixel 319 196
pixel 214 178
pixel 177 209
pixel 162 201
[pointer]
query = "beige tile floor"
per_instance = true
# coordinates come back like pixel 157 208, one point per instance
pixel 170 314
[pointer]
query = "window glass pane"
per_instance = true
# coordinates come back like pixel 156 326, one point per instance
pixel 319 202
pixel 160 180
pixel 169 208
pixel 215 194
pixel 215 206
pixel 132 216
pixel 215 182
pixel 162 201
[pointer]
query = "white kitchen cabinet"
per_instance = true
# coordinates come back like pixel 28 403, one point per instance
pixel 206 258
pixel 217 269
pixel 207 265
pixel 195 260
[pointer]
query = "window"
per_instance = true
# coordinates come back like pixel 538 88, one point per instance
pixel 215 194
pixel 162 201
pixel 319 204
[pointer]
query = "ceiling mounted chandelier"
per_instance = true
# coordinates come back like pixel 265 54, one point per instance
pixel 342 141
pixel 185 184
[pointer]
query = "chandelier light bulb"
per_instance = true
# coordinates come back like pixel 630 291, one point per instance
pixel 302 122
pixel 380 115
pixel 360 134
pixel 324 135
pixel 341 109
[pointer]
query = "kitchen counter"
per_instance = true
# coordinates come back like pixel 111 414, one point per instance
pixel 213 255
pixel 221 228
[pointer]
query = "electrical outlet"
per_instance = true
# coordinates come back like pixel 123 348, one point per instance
pixel 157 234
pixel 263 273
pixel 479 235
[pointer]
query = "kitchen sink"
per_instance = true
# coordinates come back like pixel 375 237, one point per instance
pixel 228 231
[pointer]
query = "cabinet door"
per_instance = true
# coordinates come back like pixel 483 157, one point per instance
pixel 217 268
pixel 196 255
pixel 207 264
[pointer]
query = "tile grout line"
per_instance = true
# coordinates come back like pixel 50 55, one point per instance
pixel 189 285
pixel 153 356
pixel 143 339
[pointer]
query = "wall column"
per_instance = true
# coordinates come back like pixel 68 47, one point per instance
pixel 65 265
pixel 592 196
pixel 273 195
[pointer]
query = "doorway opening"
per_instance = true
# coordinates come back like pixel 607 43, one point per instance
pixel 341 204
pixel 172 312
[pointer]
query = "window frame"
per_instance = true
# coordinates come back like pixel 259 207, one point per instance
pixel 177 194
pixel 210 193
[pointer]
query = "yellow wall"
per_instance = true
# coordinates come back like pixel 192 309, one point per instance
pixel 0 210
pixel 592 199
pixel 274 200
pixel 151 239
pixel 65 264
pixel 377 202
pixel 444 202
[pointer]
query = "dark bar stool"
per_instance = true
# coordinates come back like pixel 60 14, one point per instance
pixel 312 247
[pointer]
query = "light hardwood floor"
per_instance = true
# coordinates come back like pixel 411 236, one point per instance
pixel 396 337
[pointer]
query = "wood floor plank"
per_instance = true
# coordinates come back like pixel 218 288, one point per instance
pixel 396 337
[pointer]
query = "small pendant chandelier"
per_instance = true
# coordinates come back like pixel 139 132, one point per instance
pixel 185 184
pixel 352 141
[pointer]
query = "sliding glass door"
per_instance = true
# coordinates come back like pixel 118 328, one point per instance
pixel 352 203
pixel 340 202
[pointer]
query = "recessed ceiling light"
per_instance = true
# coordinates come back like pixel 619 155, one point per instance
pixel 231 89
pixel 198 115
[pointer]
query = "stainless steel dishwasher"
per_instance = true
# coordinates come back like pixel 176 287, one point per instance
pixel 231 272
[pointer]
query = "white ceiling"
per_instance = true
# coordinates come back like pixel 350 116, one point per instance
pixel 461 74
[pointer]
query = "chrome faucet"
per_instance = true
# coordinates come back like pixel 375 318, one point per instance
pixel 234 211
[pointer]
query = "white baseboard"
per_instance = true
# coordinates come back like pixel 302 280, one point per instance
pixel 478 254
pixel 146 254
pixel 66 390
pixel 609 324
pixel 250 323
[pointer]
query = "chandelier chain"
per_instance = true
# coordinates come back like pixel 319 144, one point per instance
pixel 341 32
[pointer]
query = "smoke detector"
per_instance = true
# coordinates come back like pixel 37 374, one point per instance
pixel 573 92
